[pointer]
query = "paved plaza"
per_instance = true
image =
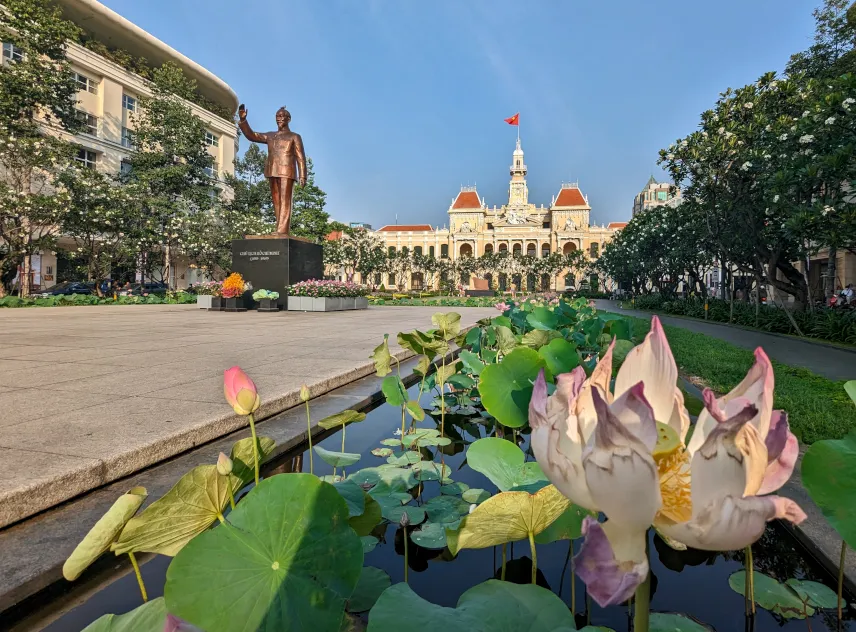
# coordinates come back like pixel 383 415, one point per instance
pixel 91 394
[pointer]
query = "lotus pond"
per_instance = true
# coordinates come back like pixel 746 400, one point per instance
pixel 431 510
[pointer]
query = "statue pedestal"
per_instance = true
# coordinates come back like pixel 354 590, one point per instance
pixel 274 262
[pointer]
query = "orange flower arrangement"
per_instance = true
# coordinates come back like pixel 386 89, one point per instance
pixel 233 286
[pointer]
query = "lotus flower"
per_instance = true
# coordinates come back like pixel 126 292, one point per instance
pixel 624 454
pixel 240 391
pixel 502 306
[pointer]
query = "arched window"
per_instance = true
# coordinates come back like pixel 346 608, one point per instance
pixel 466 250
pixel 545 282
pixel 404 250
pixel 431 251
pixel 391 250
pixel 569 280
pixel 569 248
pixel 516 280
pixel 516 249
pixel 417 250
pixel 488 249
pixel 444 251
pixel 530 250
pixel 503 247
pixel 503 282
pixel 594 250
pixel 545 250
pixel 416 281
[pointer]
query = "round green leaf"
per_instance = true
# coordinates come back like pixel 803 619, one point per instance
pixel 340 419
pixel 771 595
pixel 272 563
pixel 670 622
pixel 542 318
pixel 560 356
pixel 454 489
pixel 506 388
pixel 493 605
pixel 391 442
pixel 394 390
pixel 445 509
pixel 475 496
pixel 103 533
pixel 827 473
pixel 150 617
pixel 568 526
pixel 415 410
pixel 416 514
pixel 382 357
pixel 620 351
pixel 503 463
pixel 243 468
pixel 472 363
pixel 431 535
pixel 394 478
pixel 430 471
pixel 383 452
pixel 537 338
pixel 448 324
pixel 369 543
pixel 369 519
pixel 336 459
pixel 372 583
pixel 814 593
pixel 355 497
pixel 408 457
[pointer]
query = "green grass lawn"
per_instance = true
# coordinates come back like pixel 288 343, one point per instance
pixel 817 408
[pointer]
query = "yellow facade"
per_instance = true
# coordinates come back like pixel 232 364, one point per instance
pixel 517 226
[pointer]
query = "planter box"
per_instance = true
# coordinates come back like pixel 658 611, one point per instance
pixel 216 304
pixel 268 305
pixel 203 301
pixel 234 304
pixel 334 304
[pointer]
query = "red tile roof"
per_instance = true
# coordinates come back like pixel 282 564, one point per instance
pixel 616 224
pixel 467 199
pixel 335 235
pixel 405 228
pixel 571 197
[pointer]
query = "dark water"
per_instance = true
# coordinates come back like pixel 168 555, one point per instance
pixel 690 582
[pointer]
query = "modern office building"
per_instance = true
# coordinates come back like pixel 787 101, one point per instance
pixel 655 194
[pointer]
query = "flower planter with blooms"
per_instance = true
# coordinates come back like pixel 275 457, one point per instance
pixel 326 296
pixel 206 292
pixel 268 301
pixel 233 293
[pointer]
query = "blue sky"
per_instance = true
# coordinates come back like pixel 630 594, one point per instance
pixel 401 102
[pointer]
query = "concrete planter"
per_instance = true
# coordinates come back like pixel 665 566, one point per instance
pixel 216 303
pixel 326 304
pixel 268 305
pixel 203 301
pixel 234 304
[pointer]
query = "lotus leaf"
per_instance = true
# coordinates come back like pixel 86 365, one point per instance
pixel 103 533
pixel 355 497
pixel 620 351
pixel 503 463
pixel 415 410
pixel 287 554
pixel 445 509
pixel 150 617
pixel 454 489
pixel 461 381
pixel 472 363
pixel 814 593
pixel 430 471
pixel 494 606
pixel 394 390
pixel 475 496
pixel 568 526
pixel 448 324
pixel 340 419
pixel 415 514
pixel 407 457
pixel 431 535
pixel 850 389
pixel 543 318
pixel 422 365
pixel 508 517
pixel 369 543
pixel 445 371
pixel 383 452
pixel 670 622
pixel 336 459
pixel 619 328
pixel 391 442
pixel 369 519
pixel 506 388
pixel 425 437
pixel 771 595
pixel 560 356
pixel 538 338
pixel 381 357
pixel 185 511
pixel 827 473
pixel 505 339
pixel 243 468
pixel 371 585
pixel 421 343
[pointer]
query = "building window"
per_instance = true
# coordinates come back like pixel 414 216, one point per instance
pixel 211 140
pixel 431 251
pixel 12 52
pixel 391 250
pixel 128 138
pixel 662 195
pixel 124 168
pixel 444 251
pixel 213 171
pixel 129 103
pixel 377 279
pixel 404 250
pixel 546 224
pixel 417 250
pixel 90 122
pixel 87 158
pixel 85 83
pixel 594 251
pixel 490 226
pixel 391 279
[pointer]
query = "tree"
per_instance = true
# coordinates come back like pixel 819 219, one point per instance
pixel 251 191
pixel 37 93
pixel 357 251
pixel 309 219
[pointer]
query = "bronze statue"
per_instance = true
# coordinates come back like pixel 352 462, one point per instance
pixel 285 149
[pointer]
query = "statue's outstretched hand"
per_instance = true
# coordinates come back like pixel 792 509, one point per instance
pixel 242 112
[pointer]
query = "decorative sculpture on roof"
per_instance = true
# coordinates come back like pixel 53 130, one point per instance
pixel 570 224
pixel 515 217
pixel 465 228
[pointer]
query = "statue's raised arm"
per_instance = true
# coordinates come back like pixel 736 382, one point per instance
pixel 246 129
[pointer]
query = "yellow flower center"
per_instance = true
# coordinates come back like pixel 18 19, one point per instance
pixel 673 465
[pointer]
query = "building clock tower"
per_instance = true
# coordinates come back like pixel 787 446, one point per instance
pixel 518 192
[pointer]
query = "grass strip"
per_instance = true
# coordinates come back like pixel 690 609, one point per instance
pixel 817 408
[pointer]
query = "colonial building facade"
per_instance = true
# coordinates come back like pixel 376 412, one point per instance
pixel 518 226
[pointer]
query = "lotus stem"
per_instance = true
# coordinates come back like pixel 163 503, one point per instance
pixel 502 572
pixel 255 446
pixel 750 580
pixel 573 581
pixel 309 437
pixel 642 605
pixel 534 556
pixel 343 436
pixel 406 537
pixel 139 576
pixel 231 493
pixel 841 577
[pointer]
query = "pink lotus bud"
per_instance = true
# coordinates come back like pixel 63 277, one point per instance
pixel 224 465
pixel 240 391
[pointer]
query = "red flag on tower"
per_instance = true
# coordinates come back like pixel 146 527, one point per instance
pixel 513 120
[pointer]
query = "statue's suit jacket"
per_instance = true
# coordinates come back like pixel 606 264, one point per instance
pixel 285 157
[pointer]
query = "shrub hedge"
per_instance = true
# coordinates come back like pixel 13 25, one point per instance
pixel 834 325
pixel 63 300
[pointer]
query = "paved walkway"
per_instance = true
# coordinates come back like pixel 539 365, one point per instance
pixel 91 394
pixel 830 362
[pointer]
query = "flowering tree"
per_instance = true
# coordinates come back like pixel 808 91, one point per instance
pixel 357 251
